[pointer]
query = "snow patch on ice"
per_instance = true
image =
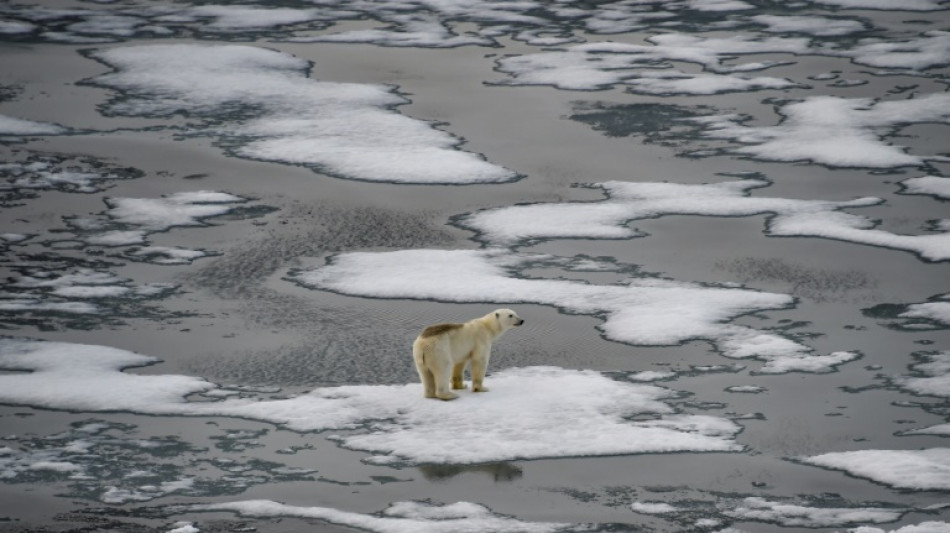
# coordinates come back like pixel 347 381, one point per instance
pixel 18 126
pixel 833 131
pixel 629 201
pixel 927 469
pixel 263 106
pixel 645 69
pixel 642 311
pixel 417 517
pixel 927 185
pixel 792 515
pixel 588 416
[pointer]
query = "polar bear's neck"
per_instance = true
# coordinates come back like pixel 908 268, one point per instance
pixel 490 324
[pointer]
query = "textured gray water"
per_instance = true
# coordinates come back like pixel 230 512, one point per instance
pixel 237 316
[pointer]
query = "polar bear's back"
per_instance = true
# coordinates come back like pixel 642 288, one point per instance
pixel 438 329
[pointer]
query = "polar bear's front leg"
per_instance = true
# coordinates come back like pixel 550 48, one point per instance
pixel 479 365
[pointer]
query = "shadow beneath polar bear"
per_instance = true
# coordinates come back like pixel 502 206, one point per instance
pixel 500 472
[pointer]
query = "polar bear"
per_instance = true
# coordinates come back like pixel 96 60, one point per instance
pixel 442 351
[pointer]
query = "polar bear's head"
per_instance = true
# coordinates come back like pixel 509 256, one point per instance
pixel 507 319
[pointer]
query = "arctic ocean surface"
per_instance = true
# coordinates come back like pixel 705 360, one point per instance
pixel 726 223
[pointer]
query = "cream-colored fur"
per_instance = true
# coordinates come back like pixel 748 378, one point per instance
pixel 442 351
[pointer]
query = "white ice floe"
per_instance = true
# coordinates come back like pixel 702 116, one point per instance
pixel 746 389
pixel 811 25
pixel 937 311
pixel 264 106
pixel 928 50
pixel 183 527
pixel 643 311
pixel 793 515
pixel 928 185
pixel 239 18
pixel 18 126
pixel 833 131
pixel 407 29
pixel 644 68
pixel 652 507
pixel 629 201
pixel 927 469
pixel 165 255
pixel 887 5
pixel 399 517
pixel 50 174
pixel 49 288
pixel 178 209
pixel 129 221
pixel 931 375
pixel 589 414
pixel 931 526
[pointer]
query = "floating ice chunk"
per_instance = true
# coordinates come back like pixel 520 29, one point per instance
pixel 938 311
pixel 931 49
pixel 236 18
pixel 928 185
pixel 932 375
pixel 179 209
pixel 34 304
pixel 808 362
pixel 47 173
pixel 588 416
pixel 629 201
pixel 651 375
pixel 791 515
pixel 415 517
pixel 183 527
pixel 719 5
pixel 886 5
pixel 927 469
pixel 832 131
pixel 819 26
pixel 923 527
pixel 747 389
pixel 13 27
pixel 664 82
pixel 265 107
pixel 652 507
pixel 642 311
pixel 18 126
pixel 408 30
pixel 600 65
pixel 165 255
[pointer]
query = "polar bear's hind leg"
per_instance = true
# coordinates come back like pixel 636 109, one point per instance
pixel 457 371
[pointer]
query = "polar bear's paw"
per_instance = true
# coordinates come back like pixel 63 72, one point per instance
pixel 458 384
pixel 480 388
pixel 447 396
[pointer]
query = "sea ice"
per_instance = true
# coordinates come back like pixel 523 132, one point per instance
pixel 18 126
pixel 931 375
pixel 642 311
pixel 399 517
pixel 833 131
pixel 792 515
pixel 629 201
pixel 928 185
pixel 589 415
pixel 927 469
pixel 262 105
pixel 819 26
pixel 594 66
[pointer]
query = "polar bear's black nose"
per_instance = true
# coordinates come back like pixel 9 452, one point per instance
pixel 521 322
